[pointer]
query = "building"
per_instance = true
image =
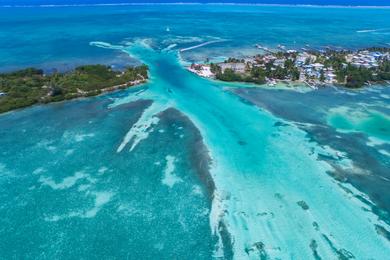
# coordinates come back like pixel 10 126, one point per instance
pixel 318 66
pixel 330 77
pixel 236 67
pixel 279 63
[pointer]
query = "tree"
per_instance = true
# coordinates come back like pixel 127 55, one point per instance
pixel 214 68
pixel 322 76
pixel 228 75
pixel 295 74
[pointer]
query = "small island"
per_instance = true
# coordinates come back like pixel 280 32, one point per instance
pixel 32 86
pixel 352 69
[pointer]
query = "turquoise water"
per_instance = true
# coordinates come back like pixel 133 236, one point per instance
pixel 59 37
pixel 186 167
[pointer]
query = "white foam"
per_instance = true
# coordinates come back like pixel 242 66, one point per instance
pixel 372 30
pixel 106 45
pixel 216 215
pixel 75 137
pixel 196 190
pixel 170 179
pixel 102 170
pixel 182 40
pixel 120 101
pixel 81 137
pixel 170 47
pixel 132 97
pixel 4 171
pixel 101 199
pixel 83 187
pixel 373 141
pixel 39 171
pixel 384 152
pixel 69 152
pixel 141 129
pixel 201 45
pixel 65 183
pixel 53 218
pixel 47 144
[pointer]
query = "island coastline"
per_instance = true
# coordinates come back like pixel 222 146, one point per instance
pixel 314 68
pixel 27 87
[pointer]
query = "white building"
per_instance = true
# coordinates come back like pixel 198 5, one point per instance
pixel 279 62
pixel 236 67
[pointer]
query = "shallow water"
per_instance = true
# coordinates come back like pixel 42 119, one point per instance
pixel 187 167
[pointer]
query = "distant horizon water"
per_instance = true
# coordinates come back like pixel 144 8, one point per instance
pixel 194 3
pixel 355 3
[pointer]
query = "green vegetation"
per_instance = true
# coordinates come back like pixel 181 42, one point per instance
pixel 354 77
pixel 384 70
pixel 229 75
pixel 257 75
pixel 357 77
pixel 30 86
pixel 353 69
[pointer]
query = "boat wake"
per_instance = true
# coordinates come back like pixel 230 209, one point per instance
pixel 373 30
pixel 201 45
pixel 106 45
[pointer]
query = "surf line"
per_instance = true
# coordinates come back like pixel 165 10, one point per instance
pixel 373 30
pixel 201 45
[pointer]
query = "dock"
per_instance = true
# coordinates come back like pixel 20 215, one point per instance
pixel 258 46
pixel 310 85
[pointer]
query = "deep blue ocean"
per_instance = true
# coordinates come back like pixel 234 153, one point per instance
pixel 189 168
pixel 288 2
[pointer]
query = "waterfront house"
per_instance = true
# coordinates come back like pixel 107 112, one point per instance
pixel 279 63
pixel 318 66
pixel 330 77
pixel 236 67
pixel 301 59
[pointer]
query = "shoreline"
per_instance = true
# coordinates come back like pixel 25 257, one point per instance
pixel 102 93
pixel 288 84
pixel 30 86
pixel 310 67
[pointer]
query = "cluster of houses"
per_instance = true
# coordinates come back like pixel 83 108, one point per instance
pixel 308 64
pixel 305 63
pixel 366 59
pixel 310 69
